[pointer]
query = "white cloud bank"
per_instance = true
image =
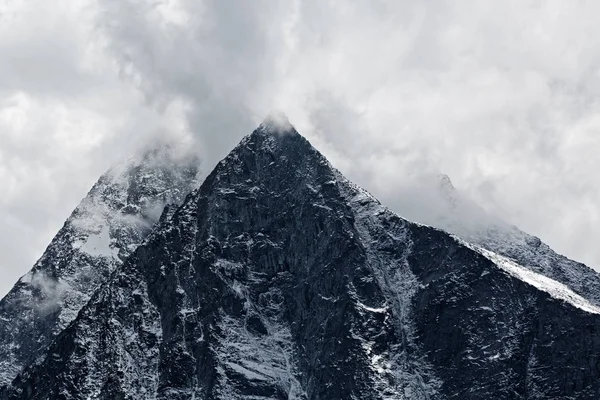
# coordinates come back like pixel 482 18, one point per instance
pixel 502 97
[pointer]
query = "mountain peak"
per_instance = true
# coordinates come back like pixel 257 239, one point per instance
pixel 276 122
pixel 275 140
pixel 104 230
pixel 445 183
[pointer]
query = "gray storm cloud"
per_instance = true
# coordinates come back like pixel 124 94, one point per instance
pixel 501 97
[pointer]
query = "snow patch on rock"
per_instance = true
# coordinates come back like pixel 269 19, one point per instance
pixel 99 244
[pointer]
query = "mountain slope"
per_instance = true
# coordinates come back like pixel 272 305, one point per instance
pixel 456 214
pixel 279 279
pixel 111 221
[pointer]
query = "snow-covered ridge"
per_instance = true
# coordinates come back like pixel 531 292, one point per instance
pixel 551 286
pixel 454 212
pixel 554 288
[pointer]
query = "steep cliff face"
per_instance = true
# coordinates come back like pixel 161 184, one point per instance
pixel 279 279
pixel 111 221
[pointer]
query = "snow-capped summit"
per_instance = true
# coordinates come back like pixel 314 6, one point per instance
pixel 105 228
pixel 280 279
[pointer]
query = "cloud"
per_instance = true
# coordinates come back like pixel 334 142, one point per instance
pixel 501 97
pixel 65 116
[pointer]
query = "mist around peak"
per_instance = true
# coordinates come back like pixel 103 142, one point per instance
pixel 277 122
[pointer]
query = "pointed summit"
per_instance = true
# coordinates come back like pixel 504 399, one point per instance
pixel 274 143
pixel 445 183
pixel 276 122
pixel 447 190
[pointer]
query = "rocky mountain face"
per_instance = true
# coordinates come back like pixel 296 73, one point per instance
pixel 108 225
pixel 280 279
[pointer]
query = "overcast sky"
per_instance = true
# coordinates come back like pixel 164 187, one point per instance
pixel 501 96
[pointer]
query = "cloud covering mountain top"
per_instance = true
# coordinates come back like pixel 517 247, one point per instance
pixel 501 97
